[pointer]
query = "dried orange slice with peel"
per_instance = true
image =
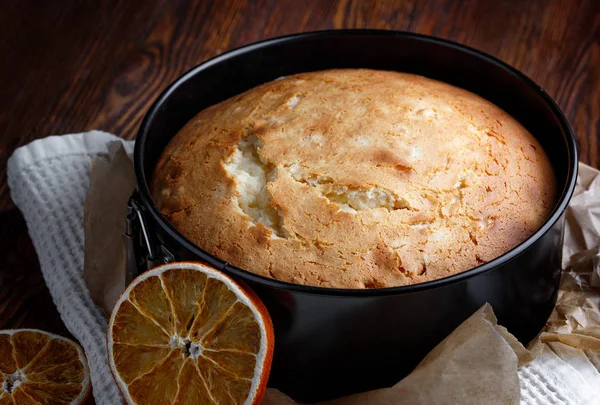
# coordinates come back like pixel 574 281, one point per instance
pixel 184 333
pixel 38 367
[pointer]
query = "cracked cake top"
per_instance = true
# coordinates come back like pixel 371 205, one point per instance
pixel 354 179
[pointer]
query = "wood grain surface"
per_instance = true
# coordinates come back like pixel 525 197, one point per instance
pixel 71 66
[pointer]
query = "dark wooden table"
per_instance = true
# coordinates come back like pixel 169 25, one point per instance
pixel 70 66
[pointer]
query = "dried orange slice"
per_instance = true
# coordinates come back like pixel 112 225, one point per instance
pixel 38 367
pixel 184 333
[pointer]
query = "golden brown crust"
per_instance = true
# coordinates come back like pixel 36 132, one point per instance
pixel 355 179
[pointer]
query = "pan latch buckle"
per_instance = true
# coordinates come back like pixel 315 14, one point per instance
pixel 141 253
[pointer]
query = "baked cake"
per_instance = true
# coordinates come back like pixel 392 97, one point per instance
pixel 355 179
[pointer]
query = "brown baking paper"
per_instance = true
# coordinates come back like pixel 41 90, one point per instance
pixel 478 363
pixel 111 182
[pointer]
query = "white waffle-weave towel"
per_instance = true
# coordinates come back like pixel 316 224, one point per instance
pixel 48 180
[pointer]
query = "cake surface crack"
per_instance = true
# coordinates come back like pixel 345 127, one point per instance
pixel 252 175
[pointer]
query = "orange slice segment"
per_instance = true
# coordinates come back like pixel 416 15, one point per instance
pixel 38 367
pixel 184 334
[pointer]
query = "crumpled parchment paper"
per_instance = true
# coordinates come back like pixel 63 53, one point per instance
pixel 104 214
pixel 478 363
